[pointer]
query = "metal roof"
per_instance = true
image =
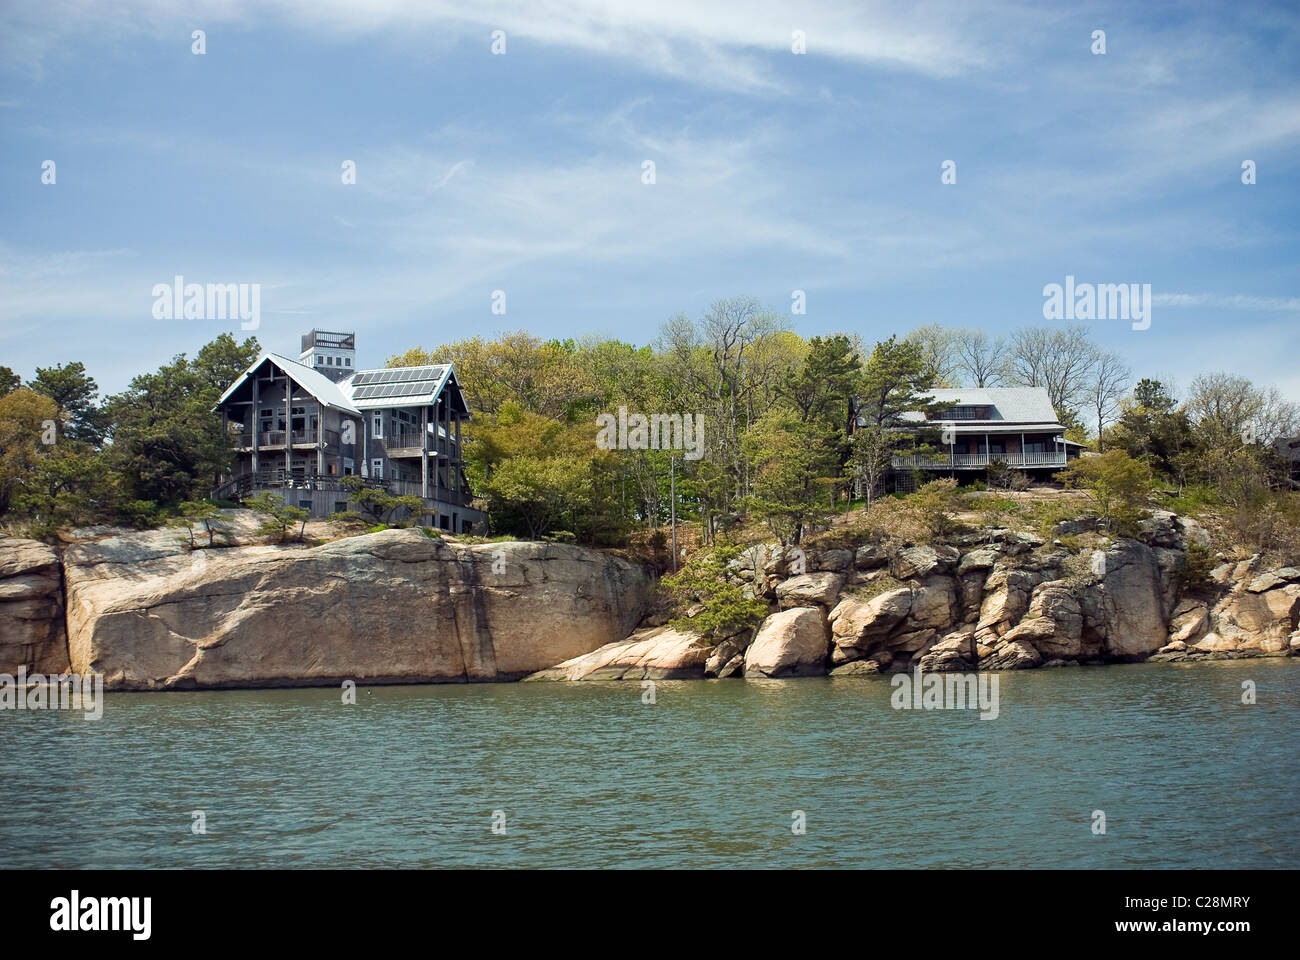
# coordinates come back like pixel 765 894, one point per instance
pixel 318 385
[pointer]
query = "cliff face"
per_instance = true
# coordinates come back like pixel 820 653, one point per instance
pixel 31 609
pixel 394 606
pixel 992 600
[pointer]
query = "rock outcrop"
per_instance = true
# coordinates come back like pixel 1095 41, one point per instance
pixel 32 633
pixel 394 606
pixel 656 653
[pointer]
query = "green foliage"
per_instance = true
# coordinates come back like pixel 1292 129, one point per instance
pixel 194 513
pixel 1120 487
pixel 378 505
pixel 1194 576
pixel 279 515
pixel 703 580
pixel 75 395
pixel 934 506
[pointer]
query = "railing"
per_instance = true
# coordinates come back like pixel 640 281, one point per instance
pixel 246 484
pixel 948 461
pixel 275 438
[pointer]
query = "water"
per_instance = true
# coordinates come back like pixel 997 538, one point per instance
pixel 589 776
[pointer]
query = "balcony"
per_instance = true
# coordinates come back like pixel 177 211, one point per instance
pixel 979 461
pixel 273 439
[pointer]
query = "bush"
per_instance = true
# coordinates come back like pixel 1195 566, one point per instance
pixel 703 580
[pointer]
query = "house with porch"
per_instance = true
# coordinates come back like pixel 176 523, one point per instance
pixel 300 426
pixel 978 425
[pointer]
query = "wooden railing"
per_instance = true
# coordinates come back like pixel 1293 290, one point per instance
pixel 940 461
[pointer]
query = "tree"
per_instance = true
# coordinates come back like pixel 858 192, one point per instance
pixel 1119 485
pixel 1059 359
pixel 821 388
pixel 194 513
pixel 9 381
pixel 793 465
pixel 980 359
pixel 726 607
pixel 1107 381
pixel 870 458
pixel 75 394
pixel 938 346
pixel 279 515
pixel 377 504
pixel 166 440
pixel 23 417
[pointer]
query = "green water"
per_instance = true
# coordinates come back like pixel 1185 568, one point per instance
pixel 708 776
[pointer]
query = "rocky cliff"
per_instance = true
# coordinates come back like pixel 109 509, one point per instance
pixel 990 600
pixel 395 606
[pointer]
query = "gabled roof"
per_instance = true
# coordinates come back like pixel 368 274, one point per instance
pixel 1028 405
pixel 318 385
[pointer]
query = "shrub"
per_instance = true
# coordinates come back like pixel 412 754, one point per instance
pixel 703 579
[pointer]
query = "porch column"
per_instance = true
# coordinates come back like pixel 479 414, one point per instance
pixel 288 428
pixel 1024 457
pixel 320 440
pixel 257 393
pixel 424 452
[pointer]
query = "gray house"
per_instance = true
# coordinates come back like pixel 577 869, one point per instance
pixel 978 425
pixel 299 426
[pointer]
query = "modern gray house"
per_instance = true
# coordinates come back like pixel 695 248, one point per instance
pixel 299 426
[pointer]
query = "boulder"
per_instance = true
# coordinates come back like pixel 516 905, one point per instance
pixel 835 560
pixel 935 604
pixel 789 643
pixel 1274 578
pixel 810 590
pixel 1054 603
pixel 657 653
pixel 1260 622
pixel 728 657
pixel 982 559
pixel 32 630
pixel 1131 601
pixel 1011 655
pixel 856 624
pixel 871 555
pixel 1190 621
pixel 922 561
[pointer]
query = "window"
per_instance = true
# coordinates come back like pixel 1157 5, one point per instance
pixel 377 468
pixel 330 361
pixel 347 361
pixel 379 425
pixel 340 507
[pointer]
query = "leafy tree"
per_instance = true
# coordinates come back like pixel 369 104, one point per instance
pixel 23 415
pixel 9 381
pixel 1119 485
pixel 821 389
pixel 793 466
pixel 167 441
pixel 75 394
pixel 870 458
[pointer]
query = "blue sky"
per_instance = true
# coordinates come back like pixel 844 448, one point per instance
pixel 523 172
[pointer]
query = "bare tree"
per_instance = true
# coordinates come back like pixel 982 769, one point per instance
pixel 1106 387
pixel 980 359
pixel 1059 359
pixel 938 351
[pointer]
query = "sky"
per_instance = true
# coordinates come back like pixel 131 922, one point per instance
pixel 524 171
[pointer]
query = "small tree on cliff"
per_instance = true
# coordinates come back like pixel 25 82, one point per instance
pixel 279 515
pixel 1119 485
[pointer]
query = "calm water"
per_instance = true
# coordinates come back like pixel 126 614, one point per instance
pixel 589 776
